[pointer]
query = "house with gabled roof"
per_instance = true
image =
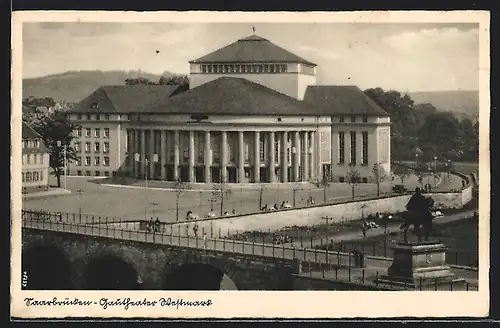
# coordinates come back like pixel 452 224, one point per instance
pixel 253 114
pixel 35 161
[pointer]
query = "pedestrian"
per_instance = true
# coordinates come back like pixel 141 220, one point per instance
pixel 195 230
pixel 157 225
pixel 204 240
pixel 364 230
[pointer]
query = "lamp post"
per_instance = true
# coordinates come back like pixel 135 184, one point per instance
pixel 416 160
pixel 147 162
pixel 449 168
pixel 79 192
pixel 59 144
pixel 435 168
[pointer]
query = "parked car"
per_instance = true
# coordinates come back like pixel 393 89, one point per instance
pixel 399 189
pixel 437 214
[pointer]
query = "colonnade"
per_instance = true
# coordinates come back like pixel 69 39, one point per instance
pixel 215 156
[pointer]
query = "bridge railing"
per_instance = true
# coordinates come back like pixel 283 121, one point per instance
pixel 333 258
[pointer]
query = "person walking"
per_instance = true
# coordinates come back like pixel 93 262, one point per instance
pixel 204 240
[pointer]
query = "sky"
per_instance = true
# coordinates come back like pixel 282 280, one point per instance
pixel 406 57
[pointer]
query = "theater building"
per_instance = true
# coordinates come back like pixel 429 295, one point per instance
pixel 253 114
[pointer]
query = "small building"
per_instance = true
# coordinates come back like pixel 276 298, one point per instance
pixel 35 161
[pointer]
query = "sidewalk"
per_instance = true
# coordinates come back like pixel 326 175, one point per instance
pixel 47 193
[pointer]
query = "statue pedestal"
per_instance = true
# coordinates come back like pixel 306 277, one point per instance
pixel 418 264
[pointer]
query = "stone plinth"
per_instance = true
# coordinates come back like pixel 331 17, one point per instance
pixel 418 264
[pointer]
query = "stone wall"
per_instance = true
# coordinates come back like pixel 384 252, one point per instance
pixel 311 216
pixel 303 282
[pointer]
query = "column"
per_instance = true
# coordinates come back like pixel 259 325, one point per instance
pixel 176 155
pixel 137 150
pixel 284 156
pixel 305 157
pixel 241 157
pixel 191 157
pixel 150 156
pixel 143 153
pixel 131 151
pixel 272 160
pixel 295 156
pixel 163 154
pixel 208 158
pixel 223 166
pixel 314 162
pixel 256 157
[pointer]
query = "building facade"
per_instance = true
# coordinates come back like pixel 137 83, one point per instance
pixel 253 114
pixel 35 161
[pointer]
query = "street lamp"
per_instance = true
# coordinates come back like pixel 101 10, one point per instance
pixel 435 168
pixel 416 160
pixel 79 192
pixel 59 144
pixel 137 158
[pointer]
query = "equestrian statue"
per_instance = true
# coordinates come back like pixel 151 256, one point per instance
pixel 418 213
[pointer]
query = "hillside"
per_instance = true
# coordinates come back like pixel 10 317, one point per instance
pixel 73 86
pixel 462 103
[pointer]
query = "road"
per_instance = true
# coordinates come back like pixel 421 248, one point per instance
pixel 134 204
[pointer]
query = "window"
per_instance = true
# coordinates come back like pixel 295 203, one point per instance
pixel 341 179
pixel 94 105
pixel 97 117
pixel 97 161
pixel 353 119
pixel 28 176
pixel 87 161
pixel 276 151
pixel 97 147
pixel 88 132
pixel 41 175
pixel 37 143
pixel 79 116
pixel 203 68
pixel 266 68
pixel 87 173
pixel 106 173
pixel 42 157
pixel 364 180
pixel 353 147
pixel 35 158
pixel 262 154
pixel 24 158
pixel 105 161
pixel 106 116
pixel 87 147
pixel 35 176
pixel 284 68
pixel 209 68
pixel 79 172
pixel 78 146
pixel 365 148
pixel 89 117
pixel 28 159
pixel 79 132
pixel 97 173
pixel 106 147
pixel 341 119
pixel 341 148
pixel 106 132
pixel 97 132
pixel 365 119
pixel 23 177
pixel 78 161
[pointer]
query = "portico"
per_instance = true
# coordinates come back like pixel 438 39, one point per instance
pixel 210 156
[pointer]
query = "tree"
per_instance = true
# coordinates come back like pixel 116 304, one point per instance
pixel 180 187
pixel 401 172
pixel 139 80
pixel 174 80
pixel 219 192
pixel 379 175
pixel 56 131
pixel 353 177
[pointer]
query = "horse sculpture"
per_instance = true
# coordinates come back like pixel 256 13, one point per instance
pixel 423 220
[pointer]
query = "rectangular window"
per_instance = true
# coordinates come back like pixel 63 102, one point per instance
pixel 97 132
pixel 23 176
pixel 203 68
pixel 106 132
pixel 28 176
pixel 284 68
pixel 262 153
pixel 97 161
pixel 78 161
pixel 87 161
pixel 88 132
pixel 341 148
pixel 97 147
pixel 37 143
pixel 97 117
pixel 89 117
pixel 106 116
pixel 28 161
pixel 341 119
pixel 25 159
pixel 79 172
pixel 231 68
pixel 87 147
pixel 87 173
pixel 105 161
pixel 209 68
pixel 41 175
pixel 353 147
pixel 35 158
pixel 271 68
pixel 106 147
pixel 79 117
pixel 79 132
pixel 276 151
pixel 106 173
pixel 365 119
pixel 78 146
pixel 365 148
pixel 225 69
pixel 35 176
pixel 353 119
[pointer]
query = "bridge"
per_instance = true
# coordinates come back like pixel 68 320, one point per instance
pixel 79 256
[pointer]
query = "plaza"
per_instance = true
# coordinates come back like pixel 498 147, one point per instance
pixel 129 203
